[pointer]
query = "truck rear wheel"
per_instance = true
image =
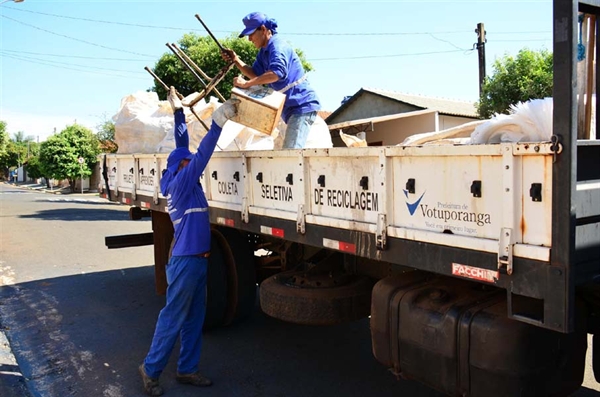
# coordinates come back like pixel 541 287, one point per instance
pixel 216 287
pixel 282 298
pixel 241 273
pixel 231 283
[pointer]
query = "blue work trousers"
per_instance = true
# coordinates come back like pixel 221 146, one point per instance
pixel 297 129
pixel 182 316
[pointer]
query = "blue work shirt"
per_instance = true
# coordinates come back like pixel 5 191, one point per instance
pixel 186 202
pixel 280 58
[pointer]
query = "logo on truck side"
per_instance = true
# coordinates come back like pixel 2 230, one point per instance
pixel 412 207
pixel 448 212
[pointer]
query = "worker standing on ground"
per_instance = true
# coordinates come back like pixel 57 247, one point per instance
pixel 184 311
pixel 278 65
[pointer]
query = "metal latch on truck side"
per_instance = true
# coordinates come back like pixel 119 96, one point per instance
pixel 505 251
pixel 245 210
pixel 300 220
pixel 381 236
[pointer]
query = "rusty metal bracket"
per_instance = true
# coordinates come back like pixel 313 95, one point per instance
pixel 505 251
pixel 300 220
pixel 556 146
pixel 381 234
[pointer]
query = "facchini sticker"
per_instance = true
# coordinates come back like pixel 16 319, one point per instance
pixel 475 273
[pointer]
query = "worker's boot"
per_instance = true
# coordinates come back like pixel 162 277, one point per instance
pixel 174 99
pixel 151 386
pixel 194 379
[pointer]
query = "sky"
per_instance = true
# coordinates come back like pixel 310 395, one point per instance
pixel 74 60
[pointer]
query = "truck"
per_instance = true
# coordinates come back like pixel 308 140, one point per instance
pixel 478 265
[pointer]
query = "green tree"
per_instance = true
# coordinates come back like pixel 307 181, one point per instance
pixel 205 53
pixel 35 168
pixel 106 136
pixel 13 152
pixel 59 154
pixel 4 149
pixel 516 79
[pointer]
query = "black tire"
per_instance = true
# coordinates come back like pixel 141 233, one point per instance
pixel 241 274
pixel 315 306
pixel 216 286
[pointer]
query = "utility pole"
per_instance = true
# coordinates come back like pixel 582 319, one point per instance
pixel 480 31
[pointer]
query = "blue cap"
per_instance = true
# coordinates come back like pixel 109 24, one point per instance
pixel 175 157
pixel 253 21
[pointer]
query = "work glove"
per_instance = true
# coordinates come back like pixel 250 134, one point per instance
pixel 173 99
pixel 226 111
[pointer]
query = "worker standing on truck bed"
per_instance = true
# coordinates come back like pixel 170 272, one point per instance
pixel 184 311
pixel 278 65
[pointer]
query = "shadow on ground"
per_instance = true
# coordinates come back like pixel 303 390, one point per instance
pixel 86 334
pixel 80 214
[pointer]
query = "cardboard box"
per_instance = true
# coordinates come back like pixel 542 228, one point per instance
pixel 260 107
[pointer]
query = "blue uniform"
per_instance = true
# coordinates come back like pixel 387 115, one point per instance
pixel 185 308
pixel 280 58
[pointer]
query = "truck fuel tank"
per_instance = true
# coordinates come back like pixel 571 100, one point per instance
pixel 455 336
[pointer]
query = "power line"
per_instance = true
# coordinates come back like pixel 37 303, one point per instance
pixel 387 56
pixel 69 68
pixel 79 40
pixel 521 40
pixel 75 56
pixel 287 33
pixel 24 57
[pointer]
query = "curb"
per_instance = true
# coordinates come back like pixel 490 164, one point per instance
pixel 12 381
pixel 43 189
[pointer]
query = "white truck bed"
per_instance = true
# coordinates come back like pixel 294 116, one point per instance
pixel 493 198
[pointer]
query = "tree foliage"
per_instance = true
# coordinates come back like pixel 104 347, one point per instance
pixel 14 151
pixel 60 153
pixel 205 53
pixel 34 168
pixel 4 141
pixel 516 79
pixel 106 136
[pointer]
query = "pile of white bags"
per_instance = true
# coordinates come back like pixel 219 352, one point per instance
pixel 144 124
pixel 529 121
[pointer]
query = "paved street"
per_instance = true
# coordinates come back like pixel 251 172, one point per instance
pixel 79 318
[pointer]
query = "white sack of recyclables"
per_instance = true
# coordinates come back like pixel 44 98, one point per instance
pixel 144 124
pixel 529 121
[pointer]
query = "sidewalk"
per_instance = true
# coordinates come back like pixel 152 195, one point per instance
pixel 40 187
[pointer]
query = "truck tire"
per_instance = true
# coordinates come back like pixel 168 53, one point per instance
pixel 315 306
pixel 241 274
pixel 216 286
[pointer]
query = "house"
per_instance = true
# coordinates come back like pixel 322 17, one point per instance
pixel 387 118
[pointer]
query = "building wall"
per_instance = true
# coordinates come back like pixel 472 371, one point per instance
pixel 370 105
pixel 393 132
pixel 453 121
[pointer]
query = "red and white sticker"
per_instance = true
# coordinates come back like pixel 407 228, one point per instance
pixel 475 273
pixel 272 231
pixel 225 221
pixel 339 245
pixel 126 200
pixel 144 204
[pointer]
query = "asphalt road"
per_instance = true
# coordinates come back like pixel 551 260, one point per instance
pixel 80 317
